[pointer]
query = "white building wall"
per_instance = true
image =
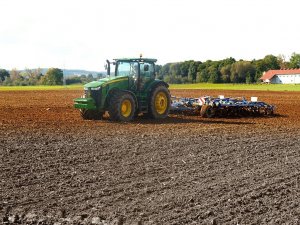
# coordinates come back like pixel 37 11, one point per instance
pixel 286 79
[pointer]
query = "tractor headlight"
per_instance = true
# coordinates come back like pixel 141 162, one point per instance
pixel 96 88
pixel 87 93
pixel 93 92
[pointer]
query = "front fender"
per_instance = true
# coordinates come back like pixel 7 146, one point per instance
pixel 116 89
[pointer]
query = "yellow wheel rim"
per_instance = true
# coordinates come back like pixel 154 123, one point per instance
pixel 126 108
pixel 161 102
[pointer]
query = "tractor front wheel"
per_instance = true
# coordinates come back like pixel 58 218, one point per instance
pixel 159 104
pixel 122 106
pixel 89 114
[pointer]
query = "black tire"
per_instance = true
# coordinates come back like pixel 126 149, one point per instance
pixel 203 110
pixel 270 112
pixel 89 114
pixel 207 111
pixel 159 103
pixel 122 106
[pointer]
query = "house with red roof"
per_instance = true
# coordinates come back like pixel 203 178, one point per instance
pixel 290 76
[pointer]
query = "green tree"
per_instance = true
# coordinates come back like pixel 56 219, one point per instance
pixel 83 79
pixel 249 78
pixel 192 73
pixel 73 80
pixel 185 80
pixel 7 81
pixel 175 69
pixel 158 72
pixel 271 62
pixel 202 76
pixel 16 78
pixel 225 73
pixel 3 74
pixel 239 71
pixel 14 74
pixel 34 74
pixel 184 68
pixel 29 77
pixel 226 62
pixel 53 76
pixel 295 61
pixel 167 79
pixel 90 77
pixel 165 70
pixel 173 79
pixel 213 75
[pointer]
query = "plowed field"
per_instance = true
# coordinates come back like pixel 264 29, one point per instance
pixel 56 167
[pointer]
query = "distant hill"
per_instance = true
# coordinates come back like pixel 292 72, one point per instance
pixel 76 72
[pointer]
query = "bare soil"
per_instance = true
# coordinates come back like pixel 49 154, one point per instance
pixel 56 167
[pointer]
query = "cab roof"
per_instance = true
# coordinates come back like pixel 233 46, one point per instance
pixel 137 59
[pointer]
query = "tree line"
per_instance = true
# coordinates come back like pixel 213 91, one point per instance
pixel 223 71
pixel 53 76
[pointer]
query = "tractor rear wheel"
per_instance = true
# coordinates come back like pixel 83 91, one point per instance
pixel 159 104
pixel 89 114
pixel 122 106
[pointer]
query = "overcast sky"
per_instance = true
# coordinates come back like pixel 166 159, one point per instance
pixel 81 34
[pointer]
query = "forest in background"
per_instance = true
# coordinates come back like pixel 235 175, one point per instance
pixel 224 71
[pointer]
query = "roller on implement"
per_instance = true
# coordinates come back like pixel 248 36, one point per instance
pixel 129 89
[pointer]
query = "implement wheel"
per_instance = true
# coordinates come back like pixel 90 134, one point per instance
pixel 207 111
pixel 89 114
pixel 159 104
pixel 122 106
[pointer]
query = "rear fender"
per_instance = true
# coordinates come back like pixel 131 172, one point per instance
pixel 153 85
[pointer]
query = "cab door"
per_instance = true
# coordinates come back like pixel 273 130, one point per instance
pixel 146 75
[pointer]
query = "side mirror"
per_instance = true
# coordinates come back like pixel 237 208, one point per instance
pixel 146 68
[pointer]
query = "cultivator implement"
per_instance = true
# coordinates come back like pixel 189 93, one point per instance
pixel 207 106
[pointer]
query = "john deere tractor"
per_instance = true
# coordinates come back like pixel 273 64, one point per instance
pixel 129 89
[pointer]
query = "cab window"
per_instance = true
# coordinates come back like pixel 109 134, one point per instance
pixel 127 69
pixel 147 70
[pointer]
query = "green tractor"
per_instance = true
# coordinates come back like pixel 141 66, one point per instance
pixel 129 89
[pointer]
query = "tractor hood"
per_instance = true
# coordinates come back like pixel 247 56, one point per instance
pixel 104 81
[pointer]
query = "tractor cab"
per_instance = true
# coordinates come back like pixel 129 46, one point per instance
pixel 140 71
